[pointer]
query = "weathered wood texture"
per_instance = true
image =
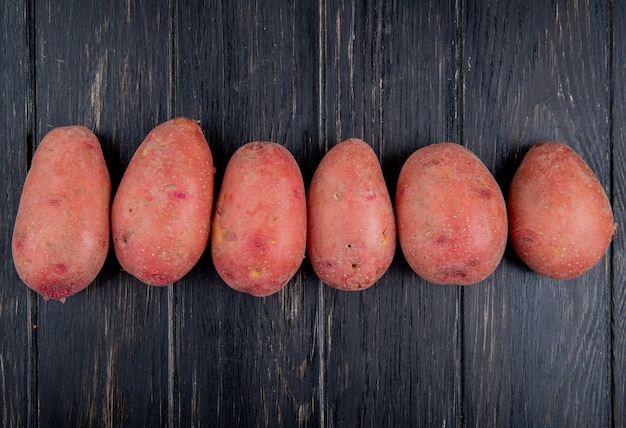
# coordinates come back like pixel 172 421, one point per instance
pixel 391 353
pixel 104 356
pixel 537 351
pixel 495 76
pixel 248 72
pixel 618 190
pixel 16 129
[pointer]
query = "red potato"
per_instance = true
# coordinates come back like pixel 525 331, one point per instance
pixel 259 227
pixel 561 221
pixel 61 233
pixel 161 214
pixel 452 221
pixel 351 224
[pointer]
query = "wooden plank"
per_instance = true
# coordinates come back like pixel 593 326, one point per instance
pixel 515 350
pixel 535 350
pixel 15 131
pixel 392 353
pixel 248 72
pixel 103 356
pixel 618 304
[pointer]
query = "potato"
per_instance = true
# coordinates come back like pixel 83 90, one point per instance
pixel 61 233
pixel 161 215
pixel 452 222
pixel 560 219
pixel 351 224
pixel 259 226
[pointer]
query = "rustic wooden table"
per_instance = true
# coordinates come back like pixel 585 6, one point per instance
pixel 495 76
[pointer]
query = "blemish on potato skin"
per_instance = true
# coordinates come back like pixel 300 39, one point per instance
pixel 160 278
pixel 431 162
pixel 386 239
pixel 354 283
pixel 339 191
pixel 229 235
pixel 178 194
pixel 59 268
pixel 55 291
pixel 256 272
pixel 485 193
pixel 440 238
pixel 453 276
pixel 368 195
pixel 258 245
pixel 297 193
pixel 250 149
pixel 124 237
pixel 18 243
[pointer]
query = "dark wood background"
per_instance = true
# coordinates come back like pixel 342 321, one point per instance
pixel 495 76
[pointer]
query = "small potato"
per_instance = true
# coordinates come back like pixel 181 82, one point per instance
pixel 61 233
pixel 259 227
pixel 452 221
pixel 161 215
pixel 352 228
pixel 560 219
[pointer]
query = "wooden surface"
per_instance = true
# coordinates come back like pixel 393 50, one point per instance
pixel 496 76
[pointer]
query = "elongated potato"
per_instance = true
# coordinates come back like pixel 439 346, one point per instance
pixel 452 221
pixel 161 215
pixel 560 219
pixel 61 233
pixel 351 225
pixel 259 227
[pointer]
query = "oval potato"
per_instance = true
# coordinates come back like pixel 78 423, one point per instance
pixel 61 233
pixel 161 214
pixel 259 226
pixel 560 219
pixel 351 224
pixel 452 221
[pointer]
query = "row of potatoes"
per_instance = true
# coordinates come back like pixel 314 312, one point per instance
pixel 449 214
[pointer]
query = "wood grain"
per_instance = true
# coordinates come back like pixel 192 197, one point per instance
pixel 16 126
pixel 618 186
pixel 496 76
pixel 103 356
pixel 391 353
pixel 247 361
pixel 536 351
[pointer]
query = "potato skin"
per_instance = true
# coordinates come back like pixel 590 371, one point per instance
pixel 161 214
pixel 259 225
pixel 560 219
pixel 61 232
pixel 452 221
pixel 351 224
